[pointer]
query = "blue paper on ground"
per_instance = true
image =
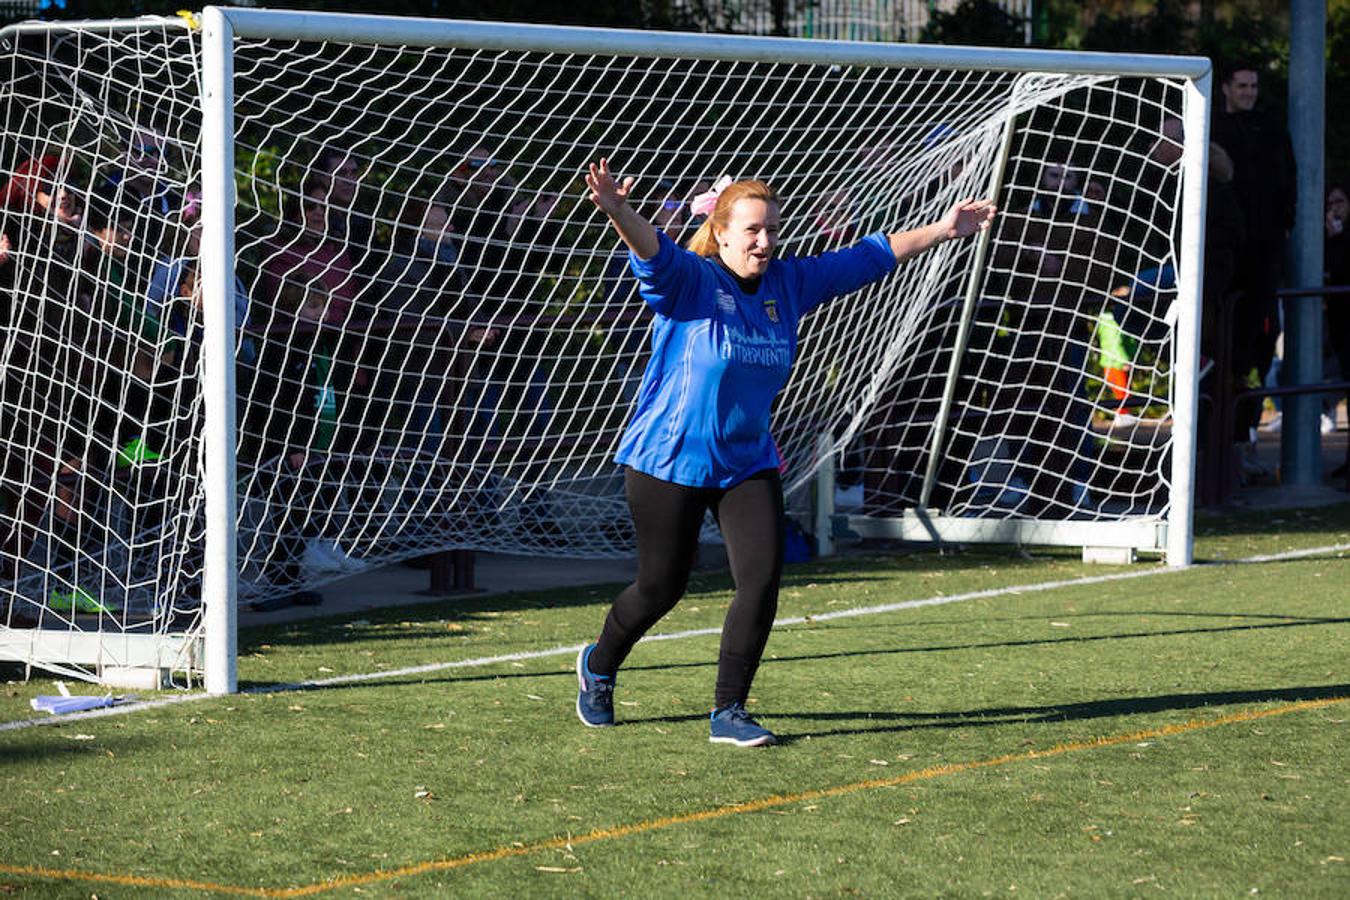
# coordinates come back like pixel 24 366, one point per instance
pixel 56 705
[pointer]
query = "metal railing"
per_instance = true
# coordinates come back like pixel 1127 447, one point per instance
pixel 843 20
pixel 1217 477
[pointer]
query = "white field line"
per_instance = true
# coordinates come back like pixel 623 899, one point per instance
pixel 571 649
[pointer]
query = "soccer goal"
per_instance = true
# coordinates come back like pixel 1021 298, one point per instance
pixel 288 295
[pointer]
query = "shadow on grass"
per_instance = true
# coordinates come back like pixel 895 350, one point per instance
pixel 468 609
pixel 1083 639
pixel 1265 522
pixel 38 745
pixel 1270 620
pixel 888 721
pixel 884 721
pixel 465 609
pixel 1068 640
pixel 841 570
pixel 371 624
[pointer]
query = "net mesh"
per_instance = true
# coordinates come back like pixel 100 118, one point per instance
pixel 438 342
pixel 100 396
pixel 1062 403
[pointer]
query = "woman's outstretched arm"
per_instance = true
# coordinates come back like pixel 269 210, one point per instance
pixel 612 198
pixel 966 217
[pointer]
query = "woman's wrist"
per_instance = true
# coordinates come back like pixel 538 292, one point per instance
pixel 615 208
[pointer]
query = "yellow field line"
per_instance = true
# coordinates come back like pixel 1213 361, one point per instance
pixel 621 831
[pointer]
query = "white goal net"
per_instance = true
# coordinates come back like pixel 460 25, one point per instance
pixel 436 339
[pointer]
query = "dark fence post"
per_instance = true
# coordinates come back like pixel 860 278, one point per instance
pixel 451 573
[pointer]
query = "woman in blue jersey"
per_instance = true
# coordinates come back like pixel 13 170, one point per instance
pixel 723 342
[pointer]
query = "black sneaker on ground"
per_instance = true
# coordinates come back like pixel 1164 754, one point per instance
pixel 733 725
pixel 271 604
pixel 299 598
pixel 595 693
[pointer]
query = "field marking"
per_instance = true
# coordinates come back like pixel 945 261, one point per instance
pixel 571 649
pixel 651 825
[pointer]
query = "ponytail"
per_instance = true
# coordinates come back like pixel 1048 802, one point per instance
pixel 704 241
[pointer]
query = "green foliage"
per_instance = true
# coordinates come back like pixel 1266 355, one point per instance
pixel 1338 91
pixel 1170 27
pixel 1256 32
pixel 593 12
pixel 1055 24
pixel 1253 40
pixel 979 23
pixel 1129 33
pixel 255 177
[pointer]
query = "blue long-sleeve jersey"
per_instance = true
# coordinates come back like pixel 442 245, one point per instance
pixel 720 356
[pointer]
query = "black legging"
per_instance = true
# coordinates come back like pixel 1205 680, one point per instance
pixel 668 517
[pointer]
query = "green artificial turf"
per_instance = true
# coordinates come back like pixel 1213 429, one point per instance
pixel 920 726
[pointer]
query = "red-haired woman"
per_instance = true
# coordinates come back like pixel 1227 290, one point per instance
pixel 723 341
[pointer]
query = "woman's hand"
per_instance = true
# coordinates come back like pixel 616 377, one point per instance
pixel 612 198
pixel 966 217
pixel 606 193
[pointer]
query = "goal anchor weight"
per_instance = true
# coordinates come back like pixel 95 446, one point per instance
pixel 451 574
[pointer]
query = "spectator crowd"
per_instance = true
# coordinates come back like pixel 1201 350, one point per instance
pixel 366 331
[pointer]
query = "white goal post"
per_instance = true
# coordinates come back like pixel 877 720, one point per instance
pixel 383 321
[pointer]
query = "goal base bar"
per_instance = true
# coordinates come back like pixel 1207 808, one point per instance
pixel 122 660
pixel 1146 537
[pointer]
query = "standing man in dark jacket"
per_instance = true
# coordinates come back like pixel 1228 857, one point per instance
pixel 1263 181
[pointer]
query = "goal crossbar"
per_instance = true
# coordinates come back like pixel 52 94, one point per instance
pixel 420 32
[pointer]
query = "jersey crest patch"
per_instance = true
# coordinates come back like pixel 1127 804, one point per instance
pixel 771 310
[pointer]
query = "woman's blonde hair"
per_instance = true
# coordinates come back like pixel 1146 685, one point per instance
pixel 704 241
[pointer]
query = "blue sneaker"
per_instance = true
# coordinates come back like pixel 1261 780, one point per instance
pixel 733 725
pixel 595 693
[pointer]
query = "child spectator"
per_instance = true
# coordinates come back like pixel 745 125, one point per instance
pixel 33 188
pixel 312 253
pixel 338 174
pixel 416 301
pixel 173 296
pixel 1057 196
pixel 290 423
pixel 486 209
pixel 143 176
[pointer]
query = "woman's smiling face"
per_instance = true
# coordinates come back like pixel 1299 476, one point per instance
pixel 746 245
